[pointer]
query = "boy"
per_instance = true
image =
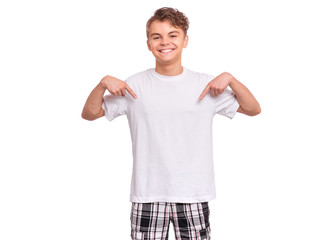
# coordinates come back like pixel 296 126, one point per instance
pixel 170 117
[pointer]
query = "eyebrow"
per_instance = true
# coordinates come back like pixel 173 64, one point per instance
pixel 168 33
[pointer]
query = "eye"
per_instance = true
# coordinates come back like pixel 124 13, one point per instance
pixel 173 36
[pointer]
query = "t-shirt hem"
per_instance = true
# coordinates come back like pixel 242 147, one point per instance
pixel 197 199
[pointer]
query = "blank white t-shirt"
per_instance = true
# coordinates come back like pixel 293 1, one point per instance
pixel 171 132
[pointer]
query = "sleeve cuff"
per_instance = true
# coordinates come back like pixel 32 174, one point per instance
pixel 109 117
pixel 233 112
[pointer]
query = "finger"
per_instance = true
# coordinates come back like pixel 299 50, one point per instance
pixel 114 93
pixel 212 92
pixel 131 91
pixel 205 91
pixel 123 92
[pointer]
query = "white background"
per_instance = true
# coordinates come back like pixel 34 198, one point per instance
pixel 62 177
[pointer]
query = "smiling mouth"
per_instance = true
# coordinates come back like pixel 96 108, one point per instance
pixel 166 50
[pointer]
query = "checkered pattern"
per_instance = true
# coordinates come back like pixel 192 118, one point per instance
pixel 150 221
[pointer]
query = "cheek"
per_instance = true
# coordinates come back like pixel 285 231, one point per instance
pixel 150 46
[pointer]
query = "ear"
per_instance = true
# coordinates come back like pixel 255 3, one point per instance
pixel 185 41
pixel 149 46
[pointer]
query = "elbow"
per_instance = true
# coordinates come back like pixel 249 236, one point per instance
pixel 253 112
pixel 84 116
pixel 256 111
pixel 87 117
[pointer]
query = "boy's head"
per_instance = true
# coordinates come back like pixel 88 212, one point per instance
pixel 167 36
pixel 173 16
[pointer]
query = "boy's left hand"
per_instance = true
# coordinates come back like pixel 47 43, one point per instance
pixel 217 85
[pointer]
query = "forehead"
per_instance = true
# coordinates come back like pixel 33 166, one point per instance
pixel 162 27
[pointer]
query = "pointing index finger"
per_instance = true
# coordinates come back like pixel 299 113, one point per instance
pixel 131 91
pixel 205 91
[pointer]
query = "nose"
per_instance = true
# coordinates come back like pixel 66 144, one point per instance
pixel 164 41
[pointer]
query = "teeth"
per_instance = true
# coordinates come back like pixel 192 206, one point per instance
pixel 166 50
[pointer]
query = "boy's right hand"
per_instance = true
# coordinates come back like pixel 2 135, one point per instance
pixel 116 86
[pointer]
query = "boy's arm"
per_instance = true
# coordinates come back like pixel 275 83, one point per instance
pixel 93 106
pixel 247 103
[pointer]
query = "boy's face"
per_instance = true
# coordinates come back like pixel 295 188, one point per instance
pixel 166 42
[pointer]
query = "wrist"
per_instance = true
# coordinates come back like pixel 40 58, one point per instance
pixel 229 78
pixel 232 80
pixel 102 84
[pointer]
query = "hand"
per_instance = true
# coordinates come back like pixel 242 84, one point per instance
pixel 217 85
pixel 116 86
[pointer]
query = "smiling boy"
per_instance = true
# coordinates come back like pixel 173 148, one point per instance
pixel 170 116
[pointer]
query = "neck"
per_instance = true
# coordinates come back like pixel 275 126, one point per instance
pixel 169 70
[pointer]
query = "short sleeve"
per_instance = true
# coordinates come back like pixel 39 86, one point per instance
pixel 114 106
pixel 226 103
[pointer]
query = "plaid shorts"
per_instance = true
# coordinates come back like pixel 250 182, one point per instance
pixel 150 221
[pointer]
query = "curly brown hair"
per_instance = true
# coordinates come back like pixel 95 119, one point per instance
pixel 172 15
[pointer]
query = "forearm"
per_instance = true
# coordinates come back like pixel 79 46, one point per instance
pixel 245 98
pixel 93 106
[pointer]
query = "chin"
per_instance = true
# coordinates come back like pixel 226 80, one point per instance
pixel 165 61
